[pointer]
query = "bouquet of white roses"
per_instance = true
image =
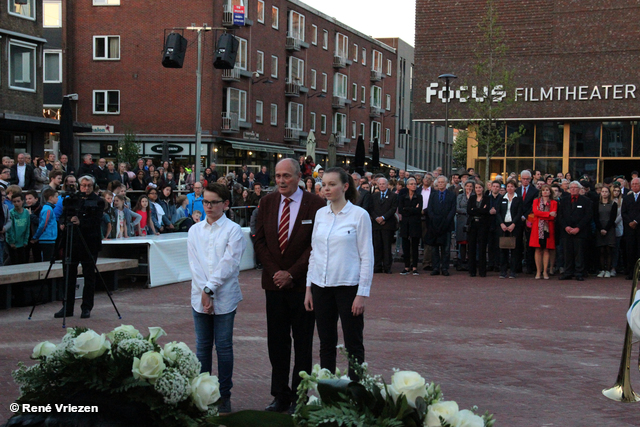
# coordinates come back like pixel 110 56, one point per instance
pixel 121 368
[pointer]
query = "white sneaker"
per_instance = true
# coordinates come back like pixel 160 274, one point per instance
pixel 613 272
pixel 601 274
pixel 607 274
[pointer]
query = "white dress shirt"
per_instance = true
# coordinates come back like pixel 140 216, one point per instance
pixel 507 216
pixel 426 193
pixel 215 251
pixel 21 171
pixel 342 249
pixel 294 208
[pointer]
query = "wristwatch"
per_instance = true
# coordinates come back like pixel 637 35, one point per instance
pixel 208 292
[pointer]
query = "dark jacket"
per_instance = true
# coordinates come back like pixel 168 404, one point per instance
pixel 411 211
pixel 440 218
pixel 364 200
pixel 479 216
pixel 516 213
pixel 263 178
pixel 630 212
pixel 88 169
pixel 527 203
pixel 90 218
pixel 576 215
pixel 384 207
pixel 29 179
pixel 611 221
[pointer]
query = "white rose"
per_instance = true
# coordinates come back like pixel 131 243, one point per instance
pixel 313 400
pixel 205 390
pixel 445 409
pixel 409 383
pixel 43 349
pixel 169 350
pixel 466 418
pixel 129 330
pixel 149 367
pixel 89 345
pixel 156 332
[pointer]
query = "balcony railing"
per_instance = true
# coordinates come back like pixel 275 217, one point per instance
pixel 339 61
pixel 232 75
pixel 291 134
pixel 376 76
pixel 341 140
pixel 338 102
pixel 227 16
pixel 292 89
pixel 292 42
pixel 375 112
pixel 230 122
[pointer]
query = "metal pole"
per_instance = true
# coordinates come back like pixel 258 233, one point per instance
pixel 446 124
pixel 198 92
pixel 406 151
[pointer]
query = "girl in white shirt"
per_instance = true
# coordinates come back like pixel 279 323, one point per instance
pixel 340 269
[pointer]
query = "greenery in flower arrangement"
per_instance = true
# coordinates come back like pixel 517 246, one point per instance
pixel 121 371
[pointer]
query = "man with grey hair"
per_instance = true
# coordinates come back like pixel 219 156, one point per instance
pixel 383 218
pixel 574 218
pixel 441 213
pixel 87 167
pixel 22 173
pixel 630 219
pixel 528 194
pixel 426 190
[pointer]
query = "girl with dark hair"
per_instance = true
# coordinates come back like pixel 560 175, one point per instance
pixel 167 200
pixel 310 185
pixel 144 210
pixel 340 269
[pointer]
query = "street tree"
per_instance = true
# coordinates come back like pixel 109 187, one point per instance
pixel 128 149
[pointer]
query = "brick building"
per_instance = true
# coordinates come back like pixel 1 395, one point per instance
pixel 297 70
pixel 577 88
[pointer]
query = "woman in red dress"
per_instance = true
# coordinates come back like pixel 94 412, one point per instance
pixel 543 236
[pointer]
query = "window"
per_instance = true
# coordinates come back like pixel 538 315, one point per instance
pixel 312 127
pixel 274 66
pixel 275 18
pixel 363 94
pixel 354 91
pixel 340 85
pixel 237 103
pixel 389 67
pixel 296 70
pixel 354 127
pixel 325 39
pixel 259 111
pixel 388 104
pixel 313 79
pixel 362 130
pixel 260 62
pixel 106 2
pixel 375 131
pixel 376 96
pixel 241 56
pixel 376 61
pixel 340 124
pixel 324 82
pixel 364 56
pixel 106 102
pixel 22 66
pixel 342 45
pixel 314 35
pixel 26 10
pixel 387 136
pixel 52 13
pixel 355 53
pixel 52 66
pixel 106 48
pixel 296 116
pixel 274 114
pixel 296 25
pixel 323 124
pixel 260 12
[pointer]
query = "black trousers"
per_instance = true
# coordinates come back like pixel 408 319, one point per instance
pixel 18 255
pixel 287 317
pixel 330 303
pixel 477 238
pixel 632 247
pixel 508 257
pixel 382 240
pixel 574 256
pixel 493 247
pixel 410 246
pixel 87 259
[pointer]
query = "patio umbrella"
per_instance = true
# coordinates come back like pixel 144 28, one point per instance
pixel 375 156
pixel 331 151
pixel 358 161
pixel 311 146
pixel 66 130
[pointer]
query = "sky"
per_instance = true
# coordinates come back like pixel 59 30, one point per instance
pixel 373 17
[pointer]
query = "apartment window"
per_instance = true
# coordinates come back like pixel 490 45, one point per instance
pixel 260 12
pixel 52 13
pixel 241 56
pixel 375 131
pixel 354 91
pixel 389 65
pixel 355 53
pixel 52 66
pixel 340 85
pixel 323 124
pixel 376 96
pixel 296 115
pixel 274 66
pixel 296 70
pixel 364 56
pixel 388 103
pixel 376 61
pixel 106 48
pixel 106 2
pixel 354 128
pixel 314 35
pixel 362 128
pixel 22 66
pixel 363 94
pixel 237 103
pixel 275 18
pixel 296 25
pixel 26 10
pixel 312 126
pixel 342 45
pixel 274 114
pixel 340 124
pixel 260 62
pixel 259 111
pixel 313 79
pixel 325 39
pixel 387 136
pixel 324 82
pixel 106 102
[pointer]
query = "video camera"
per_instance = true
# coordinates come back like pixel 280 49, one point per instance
pixel 77 204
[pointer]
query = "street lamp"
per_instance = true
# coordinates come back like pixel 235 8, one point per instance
pixel 447 78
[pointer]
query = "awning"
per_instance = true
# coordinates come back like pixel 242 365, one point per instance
pixel 397 164
pixel 259 146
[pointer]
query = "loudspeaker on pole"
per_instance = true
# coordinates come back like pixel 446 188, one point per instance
pixel 226 51
pixel 174 51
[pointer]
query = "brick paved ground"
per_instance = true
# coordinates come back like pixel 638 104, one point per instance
pixel 534 352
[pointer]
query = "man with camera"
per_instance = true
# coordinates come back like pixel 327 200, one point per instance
pixel 81 216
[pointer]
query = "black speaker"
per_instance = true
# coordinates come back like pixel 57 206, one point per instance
pixel 226 52
pixel 174 50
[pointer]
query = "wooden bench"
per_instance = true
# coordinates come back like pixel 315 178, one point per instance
pixel 24 273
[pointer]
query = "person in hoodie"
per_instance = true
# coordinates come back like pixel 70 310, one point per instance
pixel 47 231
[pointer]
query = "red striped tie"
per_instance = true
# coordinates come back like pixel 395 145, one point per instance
pixel 283 229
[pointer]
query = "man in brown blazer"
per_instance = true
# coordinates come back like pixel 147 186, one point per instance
pixel 283 244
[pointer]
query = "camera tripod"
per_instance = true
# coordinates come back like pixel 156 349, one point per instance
pixel 69 232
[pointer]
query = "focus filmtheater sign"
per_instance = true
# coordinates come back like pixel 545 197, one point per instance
pixel 534 94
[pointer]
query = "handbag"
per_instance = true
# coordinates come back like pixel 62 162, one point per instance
pixel 507 242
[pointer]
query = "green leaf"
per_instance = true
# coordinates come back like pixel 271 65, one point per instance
pixel 253 419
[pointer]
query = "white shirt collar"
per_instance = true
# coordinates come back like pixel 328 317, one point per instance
pixel 219 223
pixel 296 197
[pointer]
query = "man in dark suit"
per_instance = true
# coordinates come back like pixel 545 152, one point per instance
pixel 87 167
pixel 364 197
pixel 527 193
pixel 574 216
pixel 22 174
pixel 630 219
pixel 440 222
pixel 383 219
pixel 66 167
pixel 283 243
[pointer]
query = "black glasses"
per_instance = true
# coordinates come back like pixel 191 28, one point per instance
pixel 211 203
